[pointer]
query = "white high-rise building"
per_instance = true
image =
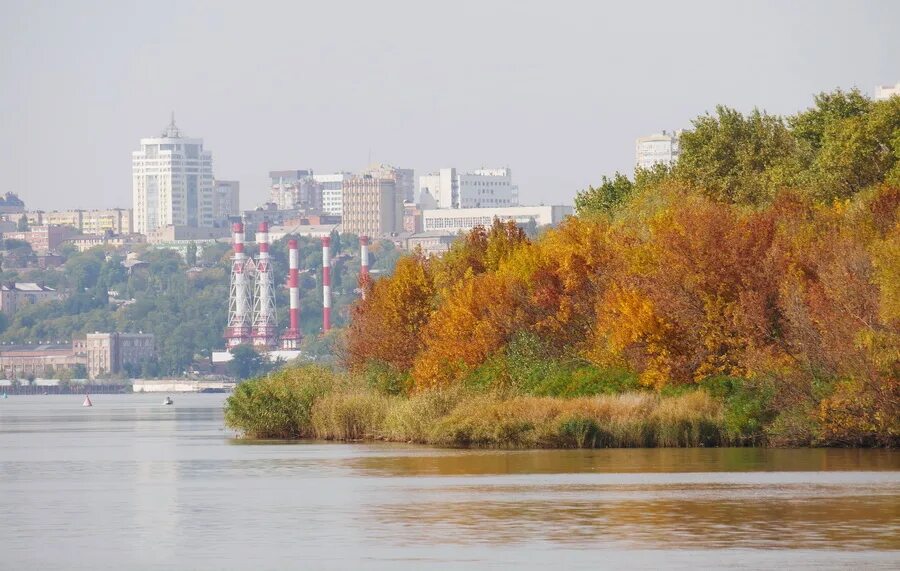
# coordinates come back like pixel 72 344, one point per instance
pixel 660 148
pixel 172 182
pixel 883 92
pixel 483 188
pixel 332 192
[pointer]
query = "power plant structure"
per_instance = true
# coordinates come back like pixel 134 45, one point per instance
pixel 239 327
pixel 363 264
pixel 264 319
pixel 326 284
pixel 290 339
pixel 252 316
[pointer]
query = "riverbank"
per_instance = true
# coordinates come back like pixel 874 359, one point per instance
pixel 316 403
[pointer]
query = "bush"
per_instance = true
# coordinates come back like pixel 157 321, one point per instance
pixel 349 416
pixel 279 406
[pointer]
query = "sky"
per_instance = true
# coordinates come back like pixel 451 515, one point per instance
pixel 557 91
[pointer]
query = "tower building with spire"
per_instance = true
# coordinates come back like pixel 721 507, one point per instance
pixel 172 182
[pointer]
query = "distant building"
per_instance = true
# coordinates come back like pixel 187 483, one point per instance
pixel 404 179
pixel 172 182
pixel 332 186
pixel 47 360
pixel 482 188
pixel 186 234
pixel 465 219
pixel 109 353
pixel 662 148
pixel 43 238
pixel 108 242
pixel 112 220
pixel 295 190
pixel 11 204
pixel 883 92
pixel 431 243
pixel 226 200
pixel 16 295
pixel 372 206
pixel 412 217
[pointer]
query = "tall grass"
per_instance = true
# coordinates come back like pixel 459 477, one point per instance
pixel 312 402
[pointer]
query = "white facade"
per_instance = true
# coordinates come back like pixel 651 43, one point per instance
pixel 483 188
pixel 660 148
pixel 332 192
pixel 883 92
pixel 172 182
pixel 464 219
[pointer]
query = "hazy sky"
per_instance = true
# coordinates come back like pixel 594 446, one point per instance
pixel 558 91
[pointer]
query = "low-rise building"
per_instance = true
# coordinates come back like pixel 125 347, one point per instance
pixel 110 353
pixel 431 243
pixel 15 295
pixel 110 220
pixel 43 238
pixel 20 361
pixel 454 220
pixel 88 241
pixel 168 234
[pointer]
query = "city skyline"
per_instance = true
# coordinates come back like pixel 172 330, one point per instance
pixel 559 99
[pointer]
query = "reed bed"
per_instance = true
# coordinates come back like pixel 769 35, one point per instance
pixel 313 402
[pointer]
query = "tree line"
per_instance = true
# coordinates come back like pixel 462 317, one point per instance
pixel 763 267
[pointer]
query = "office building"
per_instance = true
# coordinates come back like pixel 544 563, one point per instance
pixel 172 182
pixel 372 206
pixel 404 179
pixel 109 353
pixel 332 186
pixel 662 148
pixel 226 200
pixel 464 219
pixel 482 188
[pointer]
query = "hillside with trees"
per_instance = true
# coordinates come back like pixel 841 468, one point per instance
pixel 184 304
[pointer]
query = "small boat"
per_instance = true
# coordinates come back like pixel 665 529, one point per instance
pixel 168 401
pixel 87 401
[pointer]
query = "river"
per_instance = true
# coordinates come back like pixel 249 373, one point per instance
pixel 132 484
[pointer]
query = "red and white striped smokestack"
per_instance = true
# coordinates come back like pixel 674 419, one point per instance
pixel 363 256
pixel 262 238
pixel 326 284
pixel 237 239
pixel 294 285
pixel 239 309
pixel 363 264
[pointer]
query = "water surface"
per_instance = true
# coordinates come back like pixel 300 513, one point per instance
pixel 131 484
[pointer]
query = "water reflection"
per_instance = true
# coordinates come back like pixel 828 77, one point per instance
pixel 129 484
pixel 406 461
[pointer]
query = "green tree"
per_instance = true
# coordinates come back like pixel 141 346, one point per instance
pixel 605 198
pixel 246 362
pixel 22 226
pixel 736 159
pixel 191 254
pixel 809 126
